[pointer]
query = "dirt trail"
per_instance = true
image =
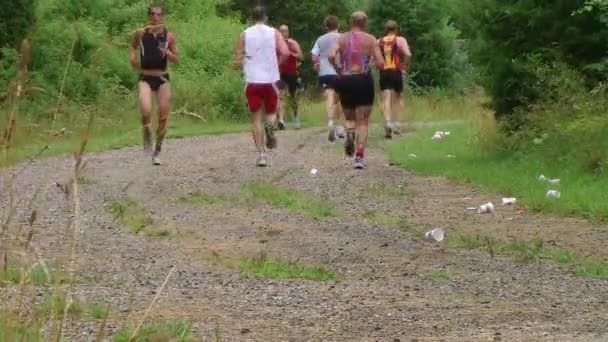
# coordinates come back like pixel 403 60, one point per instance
pixel 386 290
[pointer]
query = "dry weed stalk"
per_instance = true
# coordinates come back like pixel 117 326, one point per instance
pixel 158 293
pixel 75 224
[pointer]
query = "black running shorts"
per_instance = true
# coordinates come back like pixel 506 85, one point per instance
pixel 289 81
pixel 356 90
pixel 391 80
pixel 328 81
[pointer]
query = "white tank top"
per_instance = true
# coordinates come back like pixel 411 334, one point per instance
pixel 261 62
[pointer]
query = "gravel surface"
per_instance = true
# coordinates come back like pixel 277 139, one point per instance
pixel 385 290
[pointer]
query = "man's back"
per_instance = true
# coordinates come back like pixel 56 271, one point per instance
pixel 322 48
pixel 261 62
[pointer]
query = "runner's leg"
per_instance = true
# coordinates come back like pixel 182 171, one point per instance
pixel 145 105
pixel 164 98
pixel 387 108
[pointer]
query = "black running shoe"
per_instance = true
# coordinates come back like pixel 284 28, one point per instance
pixel 281 125
pixel 349 144
pixel 271 140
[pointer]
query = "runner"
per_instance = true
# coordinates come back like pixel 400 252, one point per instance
pixel 156 47
pixel 356 85
pixel 328 75
pixel 289 79
pixel 393 48
pixel 258 52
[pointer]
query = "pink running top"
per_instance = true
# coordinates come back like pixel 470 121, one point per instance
pixel 353 60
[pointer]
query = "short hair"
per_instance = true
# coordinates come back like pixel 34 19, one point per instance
pixel 259 13
pixel 163 8
pixel 331 22
pixel 391 26
pixel 358 19
pixel 284 26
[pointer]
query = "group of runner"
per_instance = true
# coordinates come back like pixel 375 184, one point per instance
pixel 269 60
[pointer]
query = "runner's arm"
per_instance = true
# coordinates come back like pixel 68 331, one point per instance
pixel 298 53
pixel 404 47
pixel 238 52
pixel 133 50
pixel 282 49
pixel 172 52
pixel 316 54
pixel 334 52
pixel 376 54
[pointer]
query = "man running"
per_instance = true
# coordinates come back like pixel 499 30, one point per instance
pixel 156 47
pixel 356 86
pixel 328 75
pixel 393 47
pixel 289 78
pixel 259 51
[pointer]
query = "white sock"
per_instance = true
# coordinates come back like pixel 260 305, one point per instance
pixel 331 123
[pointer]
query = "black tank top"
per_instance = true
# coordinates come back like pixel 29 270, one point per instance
pixel 151 56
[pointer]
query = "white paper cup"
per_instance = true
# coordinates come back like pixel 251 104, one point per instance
pixel 411 155
pixel 313 172
pixel 486 208
pixel 542 178
pixel 554 181
pixel 436 234
pixel 553 194
pixel 509 201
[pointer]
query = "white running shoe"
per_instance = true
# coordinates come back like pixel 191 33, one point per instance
pixel 156 161
pixel 262 160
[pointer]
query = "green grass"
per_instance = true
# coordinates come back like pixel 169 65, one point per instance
pixel 207 199
pixel 264 267
pixel 513 174
pixel 173 330
pixel 131 213
pixel 36 276
pixel 261 266
pixel 53 306
pixel 533 251
pixel 291 200
pixel 382 219
pixel 96 310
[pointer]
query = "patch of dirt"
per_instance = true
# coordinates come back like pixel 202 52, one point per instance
pixel 384 291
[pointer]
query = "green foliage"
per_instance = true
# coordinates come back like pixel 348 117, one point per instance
pixel 16 18
pixel 90 39
pixel 438 59
pixel 510 40
pixel 305 20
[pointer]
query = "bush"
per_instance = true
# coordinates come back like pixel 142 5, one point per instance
pixel 438 62
pixel 511 39
pixel 93 37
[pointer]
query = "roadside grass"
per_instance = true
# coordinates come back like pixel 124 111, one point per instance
pixel 171 330
pixel 262 266
pixel 291 200
pixel 512 174
pixel 36 276
pixel 135 217
pixel 208 199
pixel 264 192
pixel 532 251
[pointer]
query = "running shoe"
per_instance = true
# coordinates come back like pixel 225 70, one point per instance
pixel 349 145
pixel 359 163
pixel 397 129
pixel 296 122
pixel 271 140
pixel 340 132
pixel 388 132
pixel 156 161
pixel 281 125
pixel 332 134
pixel 262 160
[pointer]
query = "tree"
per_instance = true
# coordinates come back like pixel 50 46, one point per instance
pixel 427 26
pixel 16 17
pixel 512 39
pixel 305 18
